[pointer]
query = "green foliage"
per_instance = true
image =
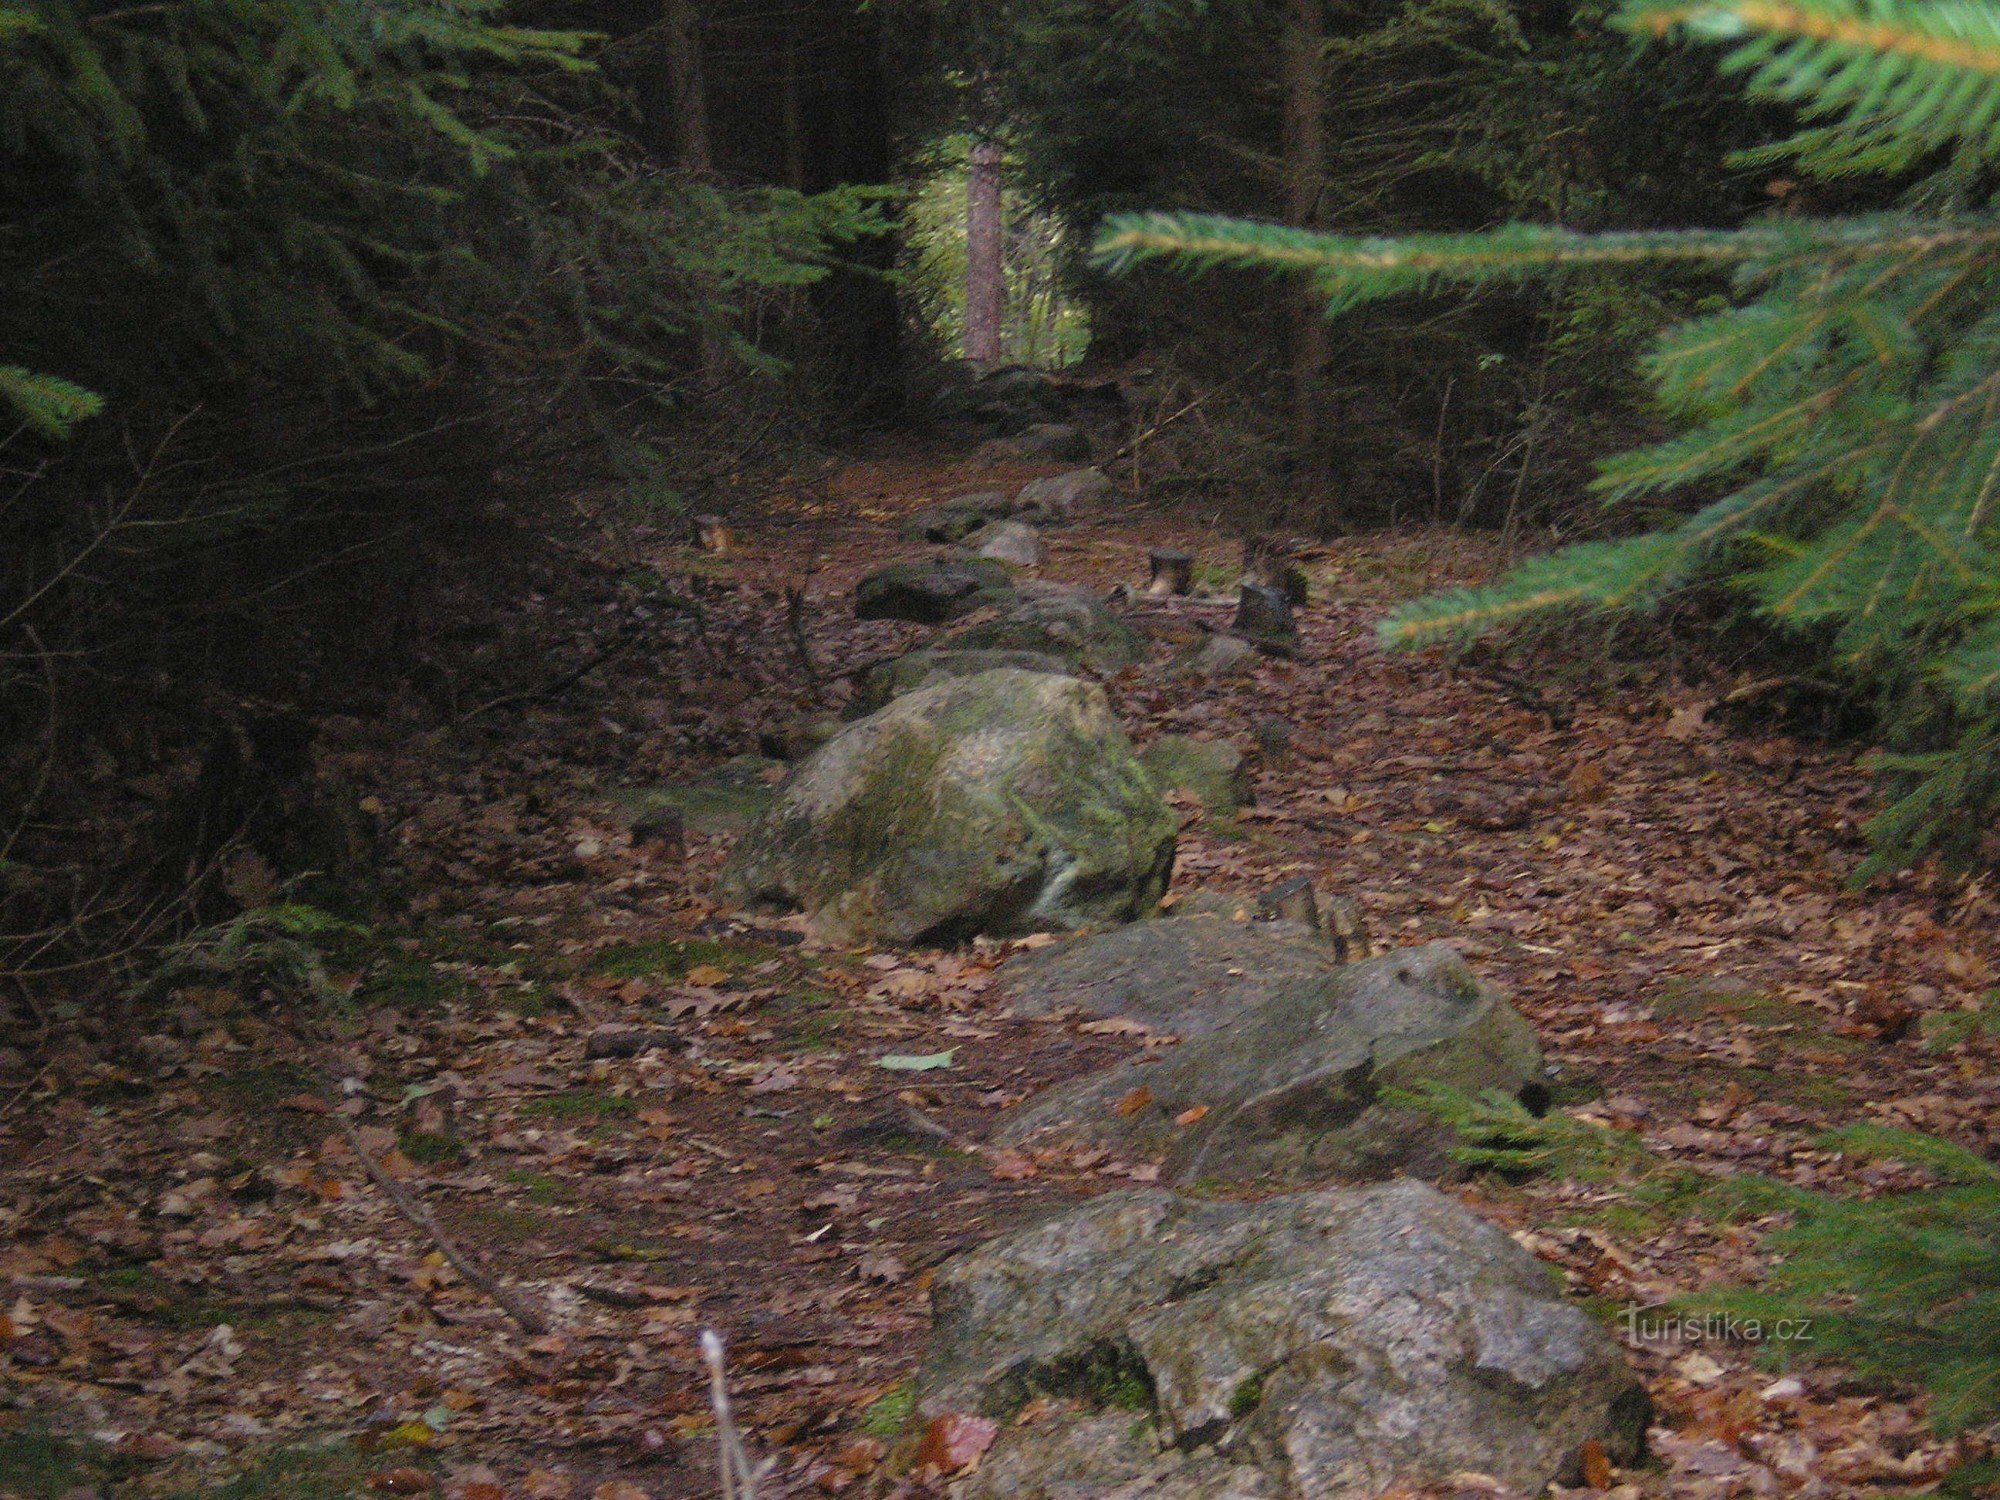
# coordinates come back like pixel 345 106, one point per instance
pixel 1904 1285
pixel 281 947
pixel 890 1412
pixel 1846 411
pixel 44 402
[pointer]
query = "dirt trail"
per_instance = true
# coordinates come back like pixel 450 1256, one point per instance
pixel 1661 896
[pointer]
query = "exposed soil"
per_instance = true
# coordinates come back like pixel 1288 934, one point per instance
pixel 200 1264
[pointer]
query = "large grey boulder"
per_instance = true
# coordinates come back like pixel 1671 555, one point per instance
pixel 1057 620
pixel 1012 542
pixel 930 593
pixel 1061 496
pixel 1321 1346
pixel 1290 1090
pixel 1004 803
pixel 1183 976
pixel 889 680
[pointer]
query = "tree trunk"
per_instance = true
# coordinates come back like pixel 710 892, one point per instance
pixel 694 153
pixel 985 271
pixel 1303 51
pixel 794 118
pixel 692 150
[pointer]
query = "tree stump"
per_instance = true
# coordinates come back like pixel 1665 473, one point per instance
pixel 1344 927
pixel 1173 572
pixel 1268 560
pixel 1264 614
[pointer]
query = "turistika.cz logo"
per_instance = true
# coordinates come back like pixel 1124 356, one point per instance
pixel 1655 1325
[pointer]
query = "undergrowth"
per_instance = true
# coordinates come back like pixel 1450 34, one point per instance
pixel 1904 1285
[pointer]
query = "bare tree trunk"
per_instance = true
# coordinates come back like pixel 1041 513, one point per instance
pixel 694 152
pixel 1303 50
pixel 794 120
pixel 985 271
pixel 692 149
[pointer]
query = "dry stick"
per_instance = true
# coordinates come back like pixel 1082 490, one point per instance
pixel 413 1210
pixel 739 1479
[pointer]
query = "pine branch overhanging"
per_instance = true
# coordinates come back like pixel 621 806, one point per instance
pixel 1846 410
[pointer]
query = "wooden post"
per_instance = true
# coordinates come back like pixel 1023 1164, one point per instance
pixel 1173 572
pixel 985 266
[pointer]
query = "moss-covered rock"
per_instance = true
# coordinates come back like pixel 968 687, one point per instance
pixel 891 679
pixel 1316 1346
pixel 1290 1088
pixel 930 593
pixel 1009 802
pixel 1211 771
pixel 958 517
pixel 1056 620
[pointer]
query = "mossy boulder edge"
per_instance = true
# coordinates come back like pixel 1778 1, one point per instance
pixel 1004 803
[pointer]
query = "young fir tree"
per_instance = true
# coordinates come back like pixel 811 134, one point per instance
pixel 1904 1284
pixel 1842 421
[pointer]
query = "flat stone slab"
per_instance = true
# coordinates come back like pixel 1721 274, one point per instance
pixel 1183 975
pixel 1290 1090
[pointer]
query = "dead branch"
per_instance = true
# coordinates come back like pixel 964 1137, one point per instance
pixel 411 1208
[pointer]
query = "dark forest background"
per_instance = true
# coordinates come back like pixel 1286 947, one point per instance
pixel 316 313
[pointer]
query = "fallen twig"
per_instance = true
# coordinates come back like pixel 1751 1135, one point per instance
pixel 412 1208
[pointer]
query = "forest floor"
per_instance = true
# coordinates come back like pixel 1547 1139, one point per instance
pixel 199 1271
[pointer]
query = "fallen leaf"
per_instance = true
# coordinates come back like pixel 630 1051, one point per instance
pixel 903 1062
pixel 1133 1102
pixel 1596 1467
pixel 1191 1116
pixel 954 1442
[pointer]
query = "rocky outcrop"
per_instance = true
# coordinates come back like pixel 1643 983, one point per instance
pixel 889 680
pixel 929 593
pixel 1182 976
pixel 1009 802
pixel 1071 624
pixel 1291 1089
pixel 1322 1346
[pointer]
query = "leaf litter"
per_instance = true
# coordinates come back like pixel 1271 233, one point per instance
pixel 198 1268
